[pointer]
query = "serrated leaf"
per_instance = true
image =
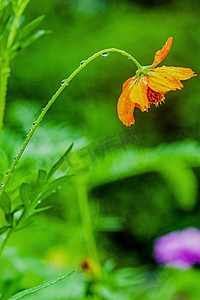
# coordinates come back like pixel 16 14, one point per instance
pixel 56 166
pixel 5 203
pixel 25 193
pixel 4 229
pixel 30 26
pixel 25 293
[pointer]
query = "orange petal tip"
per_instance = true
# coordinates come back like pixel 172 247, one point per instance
pixel 161 54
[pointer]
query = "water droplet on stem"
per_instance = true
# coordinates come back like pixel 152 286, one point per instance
pixel 63 81
pixel 105 53
pixel 82 62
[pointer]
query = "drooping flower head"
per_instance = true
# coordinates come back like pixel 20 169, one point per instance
pixel 149 86
pixel 178 249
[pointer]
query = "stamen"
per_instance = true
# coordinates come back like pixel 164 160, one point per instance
pixel 154 97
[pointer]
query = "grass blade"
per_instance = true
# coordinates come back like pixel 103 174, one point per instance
pixel 30 291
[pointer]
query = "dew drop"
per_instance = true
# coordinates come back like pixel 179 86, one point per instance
pixel 105 53
pixel 82 62
pixel 39 201
pixel 129 57
pixel 63 81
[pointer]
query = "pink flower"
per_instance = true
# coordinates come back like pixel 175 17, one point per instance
pixel 178 249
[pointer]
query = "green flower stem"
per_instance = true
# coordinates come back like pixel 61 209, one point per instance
pixel 82 195
pixel 3 90
pixel 49 104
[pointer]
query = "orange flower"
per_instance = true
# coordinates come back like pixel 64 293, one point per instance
pixel 149 86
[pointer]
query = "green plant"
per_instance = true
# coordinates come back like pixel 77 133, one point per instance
pixel 21 201
pixel 14 36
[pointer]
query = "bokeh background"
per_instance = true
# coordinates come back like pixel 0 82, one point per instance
pixel 143 180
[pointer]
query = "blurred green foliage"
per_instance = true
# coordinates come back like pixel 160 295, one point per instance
pixel 142 182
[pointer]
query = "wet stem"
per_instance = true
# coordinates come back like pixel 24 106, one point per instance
pixel 84 206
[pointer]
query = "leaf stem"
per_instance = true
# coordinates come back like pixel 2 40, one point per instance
pixel 51 101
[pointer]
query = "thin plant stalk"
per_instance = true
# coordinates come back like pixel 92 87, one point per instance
pixel 3 91
pixel 82 195
pixel 84 200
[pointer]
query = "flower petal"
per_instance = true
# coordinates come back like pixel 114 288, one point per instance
pixel 125 108
pixel 128 81
pixel 162 81
pixel 161 54
pixel 138 94
pixel 178 72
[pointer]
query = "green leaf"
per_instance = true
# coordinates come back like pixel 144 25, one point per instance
pixel 56 166
pixel 25 193
pixel 5 203
pixel 182 181
pixel 3 161
pixel 9 218
pixel 41 179
pixel 25 293
pixel 37 210
pixel 33 38
pixel 18 208
pixel 4 229
pixel 59 181
pixel 30 26
pixel 46 193
pixel 5 18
